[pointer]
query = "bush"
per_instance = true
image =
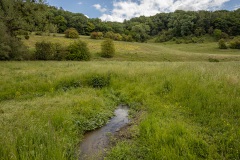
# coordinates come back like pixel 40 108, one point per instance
pixel 224 35
pixel 60 52
pixel 235 43
pixel 109 35
pixel 44 50
pixel 127 38
pixel 117 37
pixel 96 35
pixel 222 44
pixel 50 51
pixel 78 51
pixel 71 33
pixel 108 48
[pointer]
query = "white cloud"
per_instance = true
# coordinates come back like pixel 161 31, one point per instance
pixel 236 7
pixel 100 8
pixel 80 3
pixel 126 9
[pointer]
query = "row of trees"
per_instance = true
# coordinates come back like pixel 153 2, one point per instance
pixel 176 24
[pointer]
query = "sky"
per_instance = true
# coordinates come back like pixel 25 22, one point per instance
pixel 118 10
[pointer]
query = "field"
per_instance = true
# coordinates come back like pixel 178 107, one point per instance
pixel 185 109
pixel 169 52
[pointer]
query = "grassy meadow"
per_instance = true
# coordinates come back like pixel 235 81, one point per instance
pixel 188 108
pixel 129 51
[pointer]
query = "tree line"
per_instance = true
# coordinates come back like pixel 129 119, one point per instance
pixel 20 17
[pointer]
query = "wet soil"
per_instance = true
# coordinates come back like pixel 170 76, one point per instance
pixel 95 143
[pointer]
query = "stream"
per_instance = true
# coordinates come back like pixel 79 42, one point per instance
pixel 95 142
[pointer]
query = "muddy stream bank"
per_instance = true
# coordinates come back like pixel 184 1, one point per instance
pixel 95 142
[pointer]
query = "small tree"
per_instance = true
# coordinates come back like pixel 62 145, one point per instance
pixel 79 51
pixel 108 48
pixel 71 33
pixel 222 44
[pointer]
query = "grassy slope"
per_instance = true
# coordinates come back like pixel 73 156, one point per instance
pixel 191 109
pixel 150 51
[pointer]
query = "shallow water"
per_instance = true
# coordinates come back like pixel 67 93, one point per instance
pixel 94 143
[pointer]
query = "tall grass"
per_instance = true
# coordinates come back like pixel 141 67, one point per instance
pixel 192 109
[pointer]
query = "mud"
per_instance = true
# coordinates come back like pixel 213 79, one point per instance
pixel 95 143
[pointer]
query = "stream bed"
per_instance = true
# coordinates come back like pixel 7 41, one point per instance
pixel 95 142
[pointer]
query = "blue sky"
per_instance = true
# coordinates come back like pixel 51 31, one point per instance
pixel 118 10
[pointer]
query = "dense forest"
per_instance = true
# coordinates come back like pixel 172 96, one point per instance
pixel 22 17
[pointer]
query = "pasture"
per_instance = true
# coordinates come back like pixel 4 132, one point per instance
pixel 157 52
pixel 187 110
pixel 181 105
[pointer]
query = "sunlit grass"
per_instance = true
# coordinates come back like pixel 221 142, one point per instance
pixel 133 51
pixel 191 109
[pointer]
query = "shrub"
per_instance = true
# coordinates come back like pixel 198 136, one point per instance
pixel 44 50
pixel 71 33
pixel 222 44
pixel 109 35
pixel 78 51
pixel 235 43
pixel 127 38
pixel 224 35
pixel 117 37
pixel 60 52
pixel 108 48
pixel 96 35
pixel 50 51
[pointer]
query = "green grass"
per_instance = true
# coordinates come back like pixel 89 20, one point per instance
pixel 191 110
pixel 127 51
